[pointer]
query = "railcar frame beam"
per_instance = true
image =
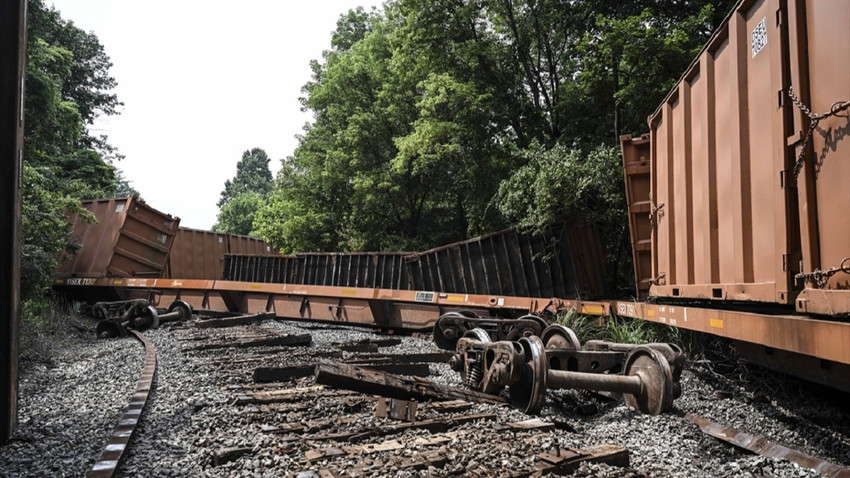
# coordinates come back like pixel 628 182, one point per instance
pixel 823 339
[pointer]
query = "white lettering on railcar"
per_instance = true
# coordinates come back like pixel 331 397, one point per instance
pixel 627 310
pixel 80 281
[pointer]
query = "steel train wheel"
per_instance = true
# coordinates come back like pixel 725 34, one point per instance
pixel 446 336
pixel 109 329
pixel 183 307
pixel 529 393
pixel 557 336
pixel 656 395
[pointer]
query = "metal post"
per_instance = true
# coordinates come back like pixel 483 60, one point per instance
pixel 13 40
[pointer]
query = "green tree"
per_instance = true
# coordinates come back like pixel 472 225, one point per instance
pixel 245 194
pixel 252 175
pixel 68 85
pixel 237 216
pixel 436 120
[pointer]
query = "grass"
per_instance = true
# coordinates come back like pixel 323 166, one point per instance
pixel 47 324
pixel 628 331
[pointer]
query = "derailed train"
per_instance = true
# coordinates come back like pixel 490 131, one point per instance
pixel 739 215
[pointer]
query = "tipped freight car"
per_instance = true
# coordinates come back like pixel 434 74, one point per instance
pixel 736 195
pixel 199 254
pixel 565 261
pixel 130 239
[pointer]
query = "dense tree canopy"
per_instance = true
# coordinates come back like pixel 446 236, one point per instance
pixel 437 120
pixel 67 86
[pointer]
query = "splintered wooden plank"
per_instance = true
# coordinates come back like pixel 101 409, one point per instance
pixel 565 460
pixel 333 452
pixel 534 424
pixel 452 406
pixel 393 386
pixel 431 357
pixel 278 374
pixel 289 339
pixel 432 425
pixel 289 395
pixel 232 321
pixel 413 369
pixel 389 342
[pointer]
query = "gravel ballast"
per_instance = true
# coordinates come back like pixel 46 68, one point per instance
pixel 69 407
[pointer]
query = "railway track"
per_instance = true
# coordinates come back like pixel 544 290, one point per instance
pixel 240 397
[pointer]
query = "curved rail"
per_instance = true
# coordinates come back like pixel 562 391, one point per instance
pixel 110 458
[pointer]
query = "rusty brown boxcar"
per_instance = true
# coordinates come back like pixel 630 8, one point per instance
pixel 733 214
pixel 197 254
pixel 239 244
pixel 130 239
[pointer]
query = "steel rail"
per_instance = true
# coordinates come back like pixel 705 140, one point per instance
pixel 110 458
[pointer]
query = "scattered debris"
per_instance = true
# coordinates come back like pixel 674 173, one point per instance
pixel 289 339
pixel 396 409
pixel 226 455
pixel 762 446
pixel 393 386
pixel 278 374
pixel 232 321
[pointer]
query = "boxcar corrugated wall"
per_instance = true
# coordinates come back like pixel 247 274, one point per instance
pixel 734 216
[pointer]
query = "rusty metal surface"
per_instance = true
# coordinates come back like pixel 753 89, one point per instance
pixel 736 217
pixel 813 369
pixel 718 147
pixel 383 308
pixel 12 60
pixel 130 239
pixel 384 270
pixel 238 244
pixel 565 261
pixel 819 36
pixel 110 458
pixel 762 446
pixel 636 152
pixel 824 339
pixel 197 254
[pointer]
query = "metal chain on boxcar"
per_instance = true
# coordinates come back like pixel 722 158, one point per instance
pixel 814 118
pixel 822 277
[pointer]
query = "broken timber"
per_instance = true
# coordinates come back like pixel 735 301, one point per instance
pixel 289 339
pixel 432 425
pixel 231 321
pixel 433 357
pixel 565 460
pixel 279 374
pixel 393 386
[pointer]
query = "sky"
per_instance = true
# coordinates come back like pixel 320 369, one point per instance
pixel 201 83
